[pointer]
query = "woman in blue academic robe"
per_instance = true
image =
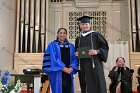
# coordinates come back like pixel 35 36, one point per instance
pixel 60 63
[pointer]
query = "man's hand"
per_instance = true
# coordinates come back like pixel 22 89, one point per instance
pixel 76 54
pixel 92 52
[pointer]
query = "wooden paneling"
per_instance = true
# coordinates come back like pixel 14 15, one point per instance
pixel 27 60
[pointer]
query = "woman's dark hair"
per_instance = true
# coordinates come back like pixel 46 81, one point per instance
pixel 121 58
pixel 59 31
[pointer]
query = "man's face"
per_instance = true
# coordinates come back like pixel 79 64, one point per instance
pixel 85 26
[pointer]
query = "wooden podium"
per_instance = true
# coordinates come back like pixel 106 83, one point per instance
pixel 36 80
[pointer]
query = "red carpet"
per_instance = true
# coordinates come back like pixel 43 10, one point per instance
pixel 135 92
pixel 24 91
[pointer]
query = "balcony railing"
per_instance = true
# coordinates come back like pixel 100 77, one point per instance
pixel 61 0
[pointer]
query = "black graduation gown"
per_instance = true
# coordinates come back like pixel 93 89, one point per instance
pixel 65 57
pixel 126 80
pixel 92 80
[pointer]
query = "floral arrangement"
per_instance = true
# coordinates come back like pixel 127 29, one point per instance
pixel 6 86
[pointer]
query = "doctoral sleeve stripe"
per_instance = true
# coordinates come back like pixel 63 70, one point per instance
pixel 46 55
pixel 47 66
pixel 46 61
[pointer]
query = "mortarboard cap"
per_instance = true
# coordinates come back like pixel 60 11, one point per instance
pixel 84 19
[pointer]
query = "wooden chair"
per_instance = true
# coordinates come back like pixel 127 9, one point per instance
pixel 46 87
pixel 45 84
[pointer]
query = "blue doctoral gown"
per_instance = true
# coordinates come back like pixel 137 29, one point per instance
pixel 52 65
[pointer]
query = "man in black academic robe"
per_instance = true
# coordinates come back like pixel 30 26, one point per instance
pixel 91 73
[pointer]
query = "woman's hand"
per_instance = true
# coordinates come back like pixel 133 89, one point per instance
pixel 116 67
pixel 92 52
pixel 65 69
pixel 124 66
pixel 70 70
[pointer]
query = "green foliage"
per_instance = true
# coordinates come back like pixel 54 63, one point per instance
pixel 6 86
